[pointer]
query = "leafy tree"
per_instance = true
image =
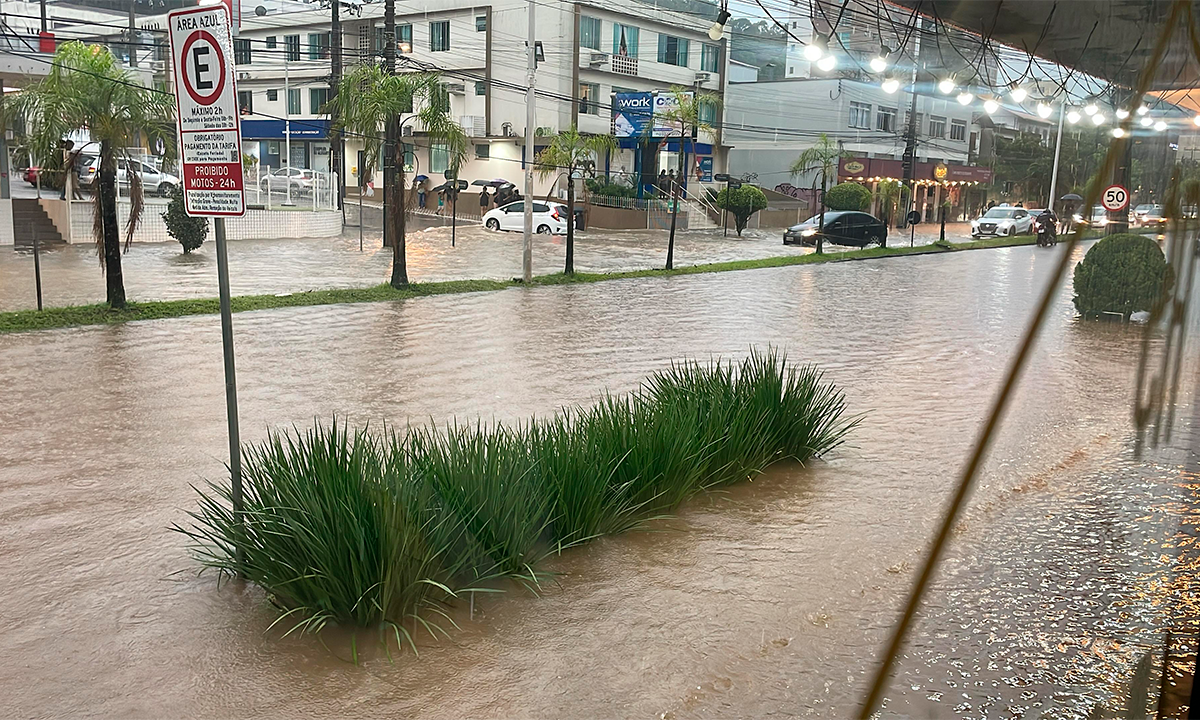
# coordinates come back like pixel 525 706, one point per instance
pixel 189 231
pixel 848 196
pixel 687 116
pixel 821 160
pixel 569 153
pixel 743 202
pixel 367 98
pixel 87 88
pixel 1121 274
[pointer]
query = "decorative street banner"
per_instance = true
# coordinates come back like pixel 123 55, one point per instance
pixel 210 135
pixel 632 113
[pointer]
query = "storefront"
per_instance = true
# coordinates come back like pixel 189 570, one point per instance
pixel 933 183
pixel 266 141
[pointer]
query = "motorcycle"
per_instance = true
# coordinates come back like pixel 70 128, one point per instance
pixel 1047 233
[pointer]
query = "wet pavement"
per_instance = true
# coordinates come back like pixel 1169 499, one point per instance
pixel 769 600
pixel 160 271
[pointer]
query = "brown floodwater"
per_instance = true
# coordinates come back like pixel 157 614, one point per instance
pixel 769 600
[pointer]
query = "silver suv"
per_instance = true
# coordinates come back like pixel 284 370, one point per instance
pixel 153 180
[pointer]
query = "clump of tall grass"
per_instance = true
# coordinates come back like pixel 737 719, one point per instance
pixel 364 528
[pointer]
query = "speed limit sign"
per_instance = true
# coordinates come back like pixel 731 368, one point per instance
pixel 1115 198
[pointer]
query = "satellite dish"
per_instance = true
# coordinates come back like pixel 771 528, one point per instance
pixel 260 11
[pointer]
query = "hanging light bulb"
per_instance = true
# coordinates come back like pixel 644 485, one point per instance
pixel 1118 132
pixel 1142 110
pixel 1098 119
pixel 1044 110
pixel 1160 126
pixel 1090 109
pixel 1146 121
pixel 827 62
pixel 891 85
pixel 1122 113
pixel 946 86
pixel 718 28
pixel 1196 120
pixel 965 98
pixel 815 49
pixel 1073 117
pixel 879 63
pixel 1018 94
pixel 990 106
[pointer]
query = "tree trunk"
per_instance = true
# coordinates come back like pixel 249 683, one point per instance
pixel 821 222
pixel 675 196
pixel 399 212
pixel 114 281
pixel 570 268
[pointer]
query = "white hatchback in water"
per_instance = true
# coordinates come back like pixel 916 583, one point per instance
pixel 548 218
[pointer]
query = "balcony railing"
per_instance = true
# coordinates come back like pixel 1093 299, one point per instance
pixel 624 65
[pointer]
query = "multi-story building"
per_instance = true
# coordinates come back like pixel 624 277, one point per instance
pixel 591 51
pixel 768 125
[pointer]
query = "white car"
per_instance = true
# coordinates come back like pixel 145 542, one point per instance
pixel 153 180
pixel 1003 220
pixel 548 218
pixel 302 180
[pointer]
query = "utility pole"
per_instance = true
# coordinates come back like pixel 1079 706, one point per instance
pixel 338 147
pixel 909 159
pixel 133 59
pixel 45 27
pixel 530 122
pixel 389 137
pixel 287 134
pixel 1062 108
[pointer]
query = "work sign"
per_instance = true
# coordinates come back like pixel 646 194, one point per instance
pixel 210 135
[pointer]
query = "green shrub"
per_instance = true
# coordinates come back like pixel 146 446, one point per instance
pixel 353 527
pixel 1120 274
pixel 848 196
pixel 189 231
pixel 743 202
pixel 601 186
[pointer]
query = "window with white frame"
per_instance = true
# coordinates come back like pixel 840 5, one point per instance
pixel 672 50
pixel 589 98
pixel 937 126
pixel 958 130
pixel 710 58
pixel 589 32
pixel 860 115
pixel 439 36
pixel 885 119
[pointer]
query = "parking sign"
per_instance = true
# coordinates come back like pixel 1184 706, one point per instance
pixel 210 135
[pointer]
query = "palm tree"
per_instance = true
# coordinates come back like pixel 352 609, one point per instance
pixel 368 97
pixel 687 116
pixel 570 152
pixel 889 193
pixel 821 158
pixel 87 88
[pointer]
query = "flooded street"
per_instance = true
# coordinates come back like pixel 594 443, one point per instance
pixel 160 271
pixel 769 600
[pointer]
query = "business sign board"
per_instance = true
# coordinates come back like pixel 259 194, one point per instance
pixel 665 103
pixel 705 165
pixel 210 138
pixel 632 114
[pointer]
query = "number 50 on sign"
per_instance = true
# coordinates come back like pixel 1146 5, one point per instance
pixel 1115 198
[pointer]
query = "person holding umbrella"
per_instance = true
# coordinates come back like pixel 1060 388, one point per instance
pixel 484 201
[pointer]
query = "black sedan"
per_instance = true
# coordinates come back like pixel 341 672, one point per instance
pixel 842 227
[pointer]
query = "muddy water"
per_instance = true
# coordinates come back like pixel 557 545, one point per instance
pixel 766 601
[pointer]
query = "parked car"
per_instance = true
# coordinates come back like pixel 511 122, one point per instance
pixel 301 180
pixel 1002 220
pixel 1097 218
pixel 842 227
pixel 154 180
pixel 547 217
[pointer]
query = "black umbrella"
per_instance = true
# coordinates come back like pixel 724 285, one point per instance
pixel 1071 197
pixel 481 183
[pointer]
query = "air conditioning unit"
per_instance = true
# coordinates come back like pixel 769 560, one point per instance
pixel 506 129
pixel 243 75
pixel 406 131
pixel 473 125
pixel 598 59
pixel 456 88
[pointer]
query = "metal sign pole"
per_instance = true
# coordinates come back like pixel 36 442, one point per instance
pixel 231 406
pixel 37 265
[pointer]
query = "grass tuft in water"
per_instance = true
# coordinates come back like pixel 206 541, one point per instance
pixel 353 527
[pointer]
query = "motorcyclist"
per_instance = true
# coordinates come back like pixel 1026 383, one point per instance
pixel 1047 224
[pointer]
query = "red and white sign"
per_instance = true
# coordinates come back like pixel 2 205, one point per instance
pixel 1115 198
pixel 210 133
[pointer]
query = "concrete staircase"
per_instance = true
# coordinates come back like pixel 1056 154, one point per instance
pixel 29 221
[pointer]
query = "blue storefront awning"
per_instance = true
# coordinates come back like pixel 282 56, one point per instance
pixel 306 129
pixel 669 144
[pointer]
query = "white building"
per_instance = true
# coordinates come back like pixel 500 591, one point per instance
pixel 592 50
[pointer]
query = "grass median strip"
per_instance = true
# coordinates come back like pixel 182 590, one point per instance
pixel 101 314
